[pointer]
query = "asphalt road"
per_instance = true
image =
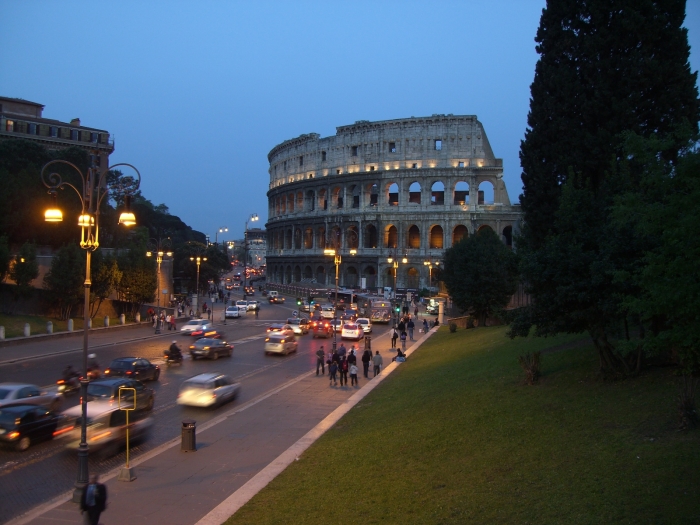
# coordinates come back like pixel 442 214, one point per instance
pixel 47 470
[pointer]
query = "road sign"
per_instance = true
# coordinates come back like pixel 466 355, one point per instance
pixel 295 313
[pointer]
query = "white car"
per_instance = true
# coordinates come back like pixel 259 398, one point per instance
pixel 365 324
pixel 352 331
pixel 327 311
pixel 253 305
pixel 232 312
pixel 195 325
pixel 280 343
pixel 243 305
pixel 205 390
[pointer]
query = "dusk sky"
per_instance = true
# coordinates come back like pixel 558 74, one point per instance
pixel 197 93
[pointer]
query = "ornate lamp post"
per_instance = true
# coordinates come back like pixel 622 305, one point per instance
pixel 429 263
pixel 199 260
pixel 158 247
pixel 223 229
pixel 253 217
pixel 394 261
pixel 93 192
pixel 337 259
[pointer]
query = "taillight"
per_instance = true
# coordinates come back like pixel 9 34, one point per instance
pixel 107 371
pixel 128 372
pixel 13 435
pixel 60 382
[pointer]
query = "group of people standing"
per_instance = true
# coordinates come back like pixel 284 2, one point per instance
pixel 404 331
pixel 342 363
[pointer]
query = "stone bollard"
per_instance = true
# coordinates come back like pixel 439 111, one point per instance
pixel 27 330
pixel 49 327
pixel 89 323
pixel 137 317
pixel 2 332
pixel 70 325
pixel 106 321
pixel 122 319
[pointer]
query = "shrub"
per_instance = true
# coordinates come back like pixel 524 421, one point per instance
pixel 453 328
pixel 687 411
pixel 531 365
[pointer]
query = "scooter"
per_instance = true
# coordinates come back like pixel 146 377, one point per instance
pixel 68 386
pixel 174 360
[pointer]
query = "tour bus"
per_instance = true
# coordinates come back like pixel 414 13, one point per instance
pixel 380 311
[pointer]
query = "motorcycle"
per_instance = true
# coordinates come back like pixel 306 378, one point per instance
pixel 94 373
pixel 172 360
pixel 68 386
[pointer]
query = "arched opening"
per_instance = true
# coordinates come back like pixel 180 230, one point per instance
pixel 374 195
pixel 412 278
pixel 461 193
pixel 355 192
pixel 351 277
pixel 437 194
pixel 300 201
pixel 283 205
pixel 370 237
pixel 370 275
pixel 508 236
pixel 460 232
pixel 485 192
pixel 337 194
pixel 484 227
pixel 308 239
pixel 389 278
pixel 436 237
pixel 288 275
pixel 290 203
pixel 321 275
pixel 297 239
pixel 391 237
pixel 297 274
pixel 352 238
pixel 308 273
pixel 414 193
pixel 413 237
pixel 322 199
pixel 288 240
pixel 393 199
pixel 310 200
pixel 321 238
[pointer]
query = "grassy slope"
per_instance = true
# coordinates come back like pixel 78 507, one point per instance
pixel 454 437
pixel 14 324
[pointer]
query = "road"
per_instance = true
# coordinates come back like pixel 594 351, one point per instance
pixel 47 470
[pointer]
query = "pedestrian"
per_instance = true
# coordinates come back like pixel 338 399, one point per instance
pixel 425 326
pixel 335 357
pixel 93 500
pixel 377 362
pixel 410 325
pixel 415 312
pixel 366 358
pixel 394 337
pixel 167 321
pixel 402 325
pixel 257 313
pixel 191 313
pixel 332 371
pixel 342 351
pixel 320 356
pixel 343 371
pixel 352 356
pixel 173 321
pixel 403 341
pixel 353 375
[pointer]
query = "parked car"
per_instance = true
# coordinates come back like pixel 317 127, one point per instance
pixel 205 390
pixel 321 328
pixel 279 343
pixel 300 325
pixel 210 348
pixel 253 305
pixel 21 425
pixel 106 427
pixel 242 305
pixel 133 367
pixel 285 329
pixel 13 393
pixel 195 325
pixel 232 312
pixel 352 331
pixel 365 323
pixel 108 390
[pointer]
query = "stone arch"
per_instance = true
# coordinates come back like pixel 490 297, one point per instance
pixel 391 237
pixel 337 197
pixel 288 239
pixel 392 191
pixel 299 206
pixel 373 193
pixel 322 199
pixel 370 274
pixel 297 238
pixel 460 232
pixel 414 192
pixel 351 277
pixel 310 200
pixel 437 237
pixel 290 203
pixel 461 193
pixel 352 238
pixel 437 194
pixel 484 227
pixel 297 273
pixel 308 272
pixel 389 277
pixel 355 192
pixel 413 238
pixel 308 238
pixel 370 237
pixel 320 275
pixel 508 236
pixel 485 192
pixel 321 238
pixel 283 205
pixel 412 278
pixel 288 275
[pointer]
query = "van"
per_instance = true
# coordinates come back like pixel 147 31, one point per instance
pixel 272 293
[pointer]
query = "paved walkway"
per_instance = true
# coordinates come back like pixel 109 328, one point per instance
pixel 238 453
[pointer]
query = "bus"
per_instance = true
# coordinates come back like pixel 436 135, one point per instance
pixel 347 299
pixel 380 311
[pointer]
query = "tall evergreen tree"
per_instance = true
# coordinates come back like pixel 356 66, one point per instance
pixel 606 67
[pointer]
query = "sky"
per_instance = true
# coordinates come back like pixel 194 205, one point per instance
pixel 197 93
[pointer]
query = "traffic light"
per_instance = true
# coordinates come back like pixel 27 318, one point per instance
pixel 311 299
pixel 299 301
pixel 397 308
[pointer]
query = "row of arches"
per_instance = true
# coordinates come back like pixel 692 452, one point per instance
pixel 351 276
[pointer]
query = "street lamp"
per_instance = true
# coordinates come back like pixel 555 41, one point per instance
pixel 158 247
pixel 394 261
pixel 94 190
pixel 429 263
pixel 253 217
pixel 216 235
pixel 337 259
pixel 199 260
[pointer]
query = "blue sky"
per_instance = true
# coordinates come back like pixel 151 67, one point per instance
pixel 197 93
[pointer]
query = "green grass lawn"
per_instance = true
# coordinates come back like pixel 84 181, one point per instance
pixel 14 324
pixel 454 436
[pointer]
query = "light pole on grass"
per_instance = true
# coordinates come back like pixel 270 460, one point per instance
pixel 394 261
pixel 93 195
pixel 157 247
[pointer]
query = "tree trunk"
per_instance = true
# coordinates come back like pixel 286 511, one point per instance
pixel 612 365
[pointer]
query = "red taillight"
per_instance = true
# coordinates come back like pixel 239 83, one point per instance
pixel 60 382
pixel 128 372
pixel 107 371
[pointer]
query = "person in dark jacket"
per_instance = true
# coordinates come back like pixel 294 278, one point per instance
pixel 93 500
pixel 366 358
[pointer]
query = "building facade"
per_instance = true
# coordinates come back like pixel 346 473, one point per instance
pixel 406 189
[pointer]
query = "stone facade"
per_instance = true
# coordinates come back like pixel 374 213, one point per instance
pixel 405 188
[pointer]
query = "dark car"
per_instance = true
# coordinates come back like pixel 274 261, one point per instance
pixel 211 334
pixel 321 328
pixel 108 390
pixel 276 299
pixel 210 348
pixel 21 425
pixel 133 367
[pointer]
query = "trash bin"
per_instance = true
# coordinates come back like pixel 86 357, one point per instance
pixel 189 439
pixel 368 342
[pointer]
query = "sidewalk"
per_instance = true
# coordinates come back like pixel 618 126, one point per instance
pixel 238 453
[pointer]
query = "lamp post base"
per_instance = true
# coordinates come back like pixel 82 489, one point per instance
pixel 126 474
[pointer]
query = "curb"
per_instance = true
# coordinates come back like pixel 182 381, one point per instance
pixel 235 501
pixel 14 341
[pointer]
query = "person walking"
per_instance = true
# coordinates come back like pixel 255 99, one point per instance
pixel 332 371
pixel 366 358
pixel 343 371
pixel 402 325
pixel 394 337
pixel 353 375
pixel 403 341
pixel 342 350
pixel 93 501
pixel 377 362
pixel 352 356
pixel 425 326
pixel 410 325
pixel 415 312
pixel 173 321
pixel 320 358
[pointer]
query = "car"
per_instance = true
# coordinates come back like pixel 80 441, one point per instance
pixel 250 290
pixel 253 305
pixel 106 427
pixel 23 424
pixel 232 312
pixel 336 325
pixel 210 348
pixel 13 393
pixel 321 328
pixel 276 299
pixel 236 285
pixel 229 286
pixel 305 306
pixel 206 390
pixel 195 325
pixel 327 311
pixel 133 367
pixel 300 325
pixel 285 329
pixel 365 323
pixel 279 343
pixel 108 390
pixel 242 305
pixel 352 331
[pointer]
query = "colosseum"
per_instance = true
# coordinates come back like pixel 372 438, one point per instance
pixel 404 189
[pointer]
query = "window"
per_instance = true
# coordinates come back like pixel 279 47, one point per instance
pixel 323 156
pixel 31 129
pixel 53 131
pixel 74 134
pixel 340 202
pixel 301 161
pixel 460 164
pixel 438 145
pixel 93 137
pixel 392 147
pixel 354 151
pixel 337 172
pixel 371 168
pixel 415 165
pixel 10 125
